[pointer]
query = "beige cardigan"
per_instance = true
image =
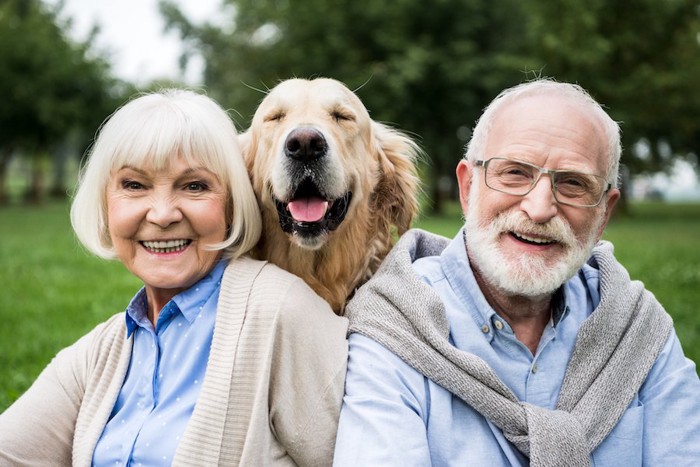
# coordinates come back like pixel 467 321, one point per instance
pixel 271 394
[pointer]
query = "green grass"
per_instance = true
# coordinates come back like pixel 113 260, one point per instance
pixel 53 292
pixel 658 244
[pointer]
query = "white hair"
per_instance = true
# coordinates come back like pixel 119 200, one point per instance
pixel 477 144
pixel 152 130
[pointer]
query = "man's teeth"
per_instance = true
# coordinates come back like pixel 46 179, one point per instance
pixel 166 246
pixel 541 241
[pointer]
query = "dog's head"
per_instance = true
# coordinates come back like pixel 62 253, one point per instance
pixel 316 159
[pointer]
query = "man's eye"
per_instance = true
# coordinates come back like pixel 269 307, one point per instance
pixel 575 181
pixel 572 182
pixel 515 171
pixel 519 172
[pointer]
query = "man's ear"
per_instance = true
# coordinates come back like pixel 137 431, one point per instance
pixel 464 181
pixel 610 201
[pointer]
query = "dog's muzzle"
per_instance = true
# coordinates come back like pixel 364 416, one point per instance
pixel 309 212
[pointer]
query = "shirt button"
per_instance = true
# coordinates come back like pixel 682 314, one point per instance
pixel 498 324
pixel 534 368
pixel 485 328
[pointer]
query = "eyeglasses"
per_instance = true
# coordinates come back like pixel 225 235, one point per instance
pixel 519 178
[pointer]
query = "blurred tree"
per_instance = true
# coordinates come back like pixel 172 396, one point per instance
pixel 641 58
pixel 426 69
pixel 430 68
pixel 55 89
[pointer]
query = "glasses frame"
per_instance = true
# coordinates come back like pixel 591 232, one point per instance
pixel 542 171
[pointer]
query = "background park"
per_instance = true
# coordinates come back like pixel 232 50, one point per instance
pixel 426 67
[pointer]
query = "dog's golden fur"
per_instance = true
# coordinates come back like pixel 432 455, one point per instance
pixel 375 164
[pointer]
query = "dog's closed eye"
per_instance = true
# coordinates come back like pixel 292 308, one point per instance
pixel 274 116
pixel 340 115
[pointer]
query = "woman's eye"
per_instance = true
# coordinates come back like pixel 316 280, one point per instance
pixel 196 186
pixel 131 185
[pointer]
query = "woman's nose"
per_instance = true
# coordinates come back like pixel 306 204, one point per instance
pixel 164 211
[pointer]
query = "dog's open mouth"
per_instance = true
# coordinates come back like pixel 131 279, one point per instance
pixel 309 212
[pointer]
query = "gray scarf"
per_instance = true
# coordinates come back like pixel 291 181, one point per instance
pixel 615 349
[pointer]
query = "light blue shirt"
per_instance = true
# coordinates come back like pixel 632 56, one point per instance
pixel 393 415
pixel 164 377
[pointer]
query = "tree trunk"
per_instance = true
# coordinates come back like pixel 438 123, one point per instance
pixel 59 159
pixel 5 158
pixel 37 182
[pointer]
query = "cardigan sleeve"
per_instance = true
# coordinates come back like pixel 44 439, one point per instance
pixel 38 428
pixel 307 376
pixel 46 425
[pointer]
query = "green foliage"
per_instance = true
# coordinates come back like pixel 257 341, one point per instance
pixel 51 83
pixel 427 69
pixel 640 58
pixel 430 68
pixel 55 89
pixel 54 292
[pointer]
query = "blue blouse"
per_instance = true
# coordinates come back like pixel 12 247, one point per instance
pixel 164 378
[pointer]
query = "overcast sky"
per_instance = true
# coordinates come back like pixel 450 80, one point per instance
pixel 132 31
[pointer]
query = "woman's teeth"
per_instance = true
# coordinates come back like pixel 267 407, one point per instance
pixel 169 246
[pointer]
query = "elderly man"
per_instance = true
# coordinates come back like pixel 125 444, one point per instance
pixel 521 341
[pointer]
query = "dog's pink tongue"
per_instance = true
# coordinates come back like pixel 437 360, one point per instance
pixel 308 209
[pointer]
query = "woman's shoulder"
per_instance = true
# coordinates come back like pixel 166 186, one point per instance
pixel 113 327
pixel 275 290
pixel 263 275
pixel 247 268
pixel 106 338
pixel 102 343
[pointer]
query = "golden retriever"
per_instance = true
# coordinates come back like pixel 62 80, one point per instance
pixel 332 184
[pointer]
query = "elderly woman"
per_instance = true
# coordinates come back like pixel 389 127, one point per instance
pixel 219 359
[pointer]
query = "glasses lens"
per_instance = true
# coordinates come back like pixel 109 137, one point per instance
pixel 578 188
pixel 508 176
pixel 518 178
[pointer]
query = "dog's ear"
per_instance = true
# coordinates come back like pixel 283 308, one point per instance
pixel 245 143
pixel 399 186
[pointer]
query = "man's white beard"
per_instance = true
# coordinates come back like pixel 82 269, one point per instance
pixel 524 275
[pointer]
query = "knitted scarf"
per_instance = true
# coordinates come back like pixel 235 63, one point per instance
pixel 615 349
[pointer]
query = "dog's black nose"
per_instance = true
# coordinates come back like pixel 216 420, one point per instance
pixel 305 144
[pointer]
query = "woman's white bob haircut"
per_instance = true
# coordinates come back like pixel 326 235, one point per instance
pixel 152 130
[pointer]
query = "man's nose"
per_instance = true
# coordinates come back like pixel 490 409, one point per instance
pixel 540 204
pixel 164 211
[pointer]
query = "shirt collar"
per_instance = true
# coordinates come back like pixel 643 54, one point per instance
pixel 559 306
pixel 136 312
pixel 458 271
pixel 189 302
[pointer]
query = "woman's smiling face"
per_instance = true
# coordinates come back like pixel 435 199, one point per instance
pixel 161 223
